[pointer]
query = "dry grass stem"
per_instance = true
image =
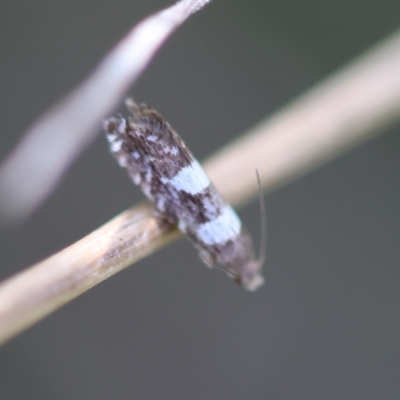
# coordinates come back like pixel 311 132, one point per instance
pixel 351 106
pixel 342 111
pixel 39 290
pixel 75 120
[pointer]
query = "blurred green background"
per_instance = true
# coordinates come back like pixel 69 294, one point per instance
pixel 326 324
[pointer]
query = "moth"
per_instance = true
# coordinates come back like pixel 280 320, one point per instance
pixel 157 160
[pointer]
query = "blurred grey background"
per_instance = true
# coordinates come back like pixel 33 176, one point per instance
pixel 326 324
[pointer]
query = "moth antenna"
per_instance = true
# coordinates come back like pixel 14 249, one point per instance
pixel 263 240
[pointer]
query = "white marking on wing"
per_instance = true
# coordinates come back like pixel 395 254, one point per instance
pixel 182 225
pixel 122 161
pixel 122 126
pixel 137 179
pixel 111 137
pixel 116 145
pixel 226 226
pixel 151 138
pixel 171 150
pixel 191 179
pixel 161 203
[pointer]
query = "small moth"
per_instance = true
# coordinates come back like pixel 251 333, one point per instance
pixel 157 160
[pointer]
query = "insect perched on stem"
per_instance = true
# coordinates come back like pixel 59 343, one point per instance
pixel 157 160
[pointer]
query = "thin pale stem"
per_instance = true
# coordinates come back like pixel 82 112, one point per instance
pixel 75 120
pixel 352 105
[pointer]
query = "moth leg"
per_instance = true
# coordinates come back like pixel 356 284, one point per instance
pixel 207 258
pixel 163 219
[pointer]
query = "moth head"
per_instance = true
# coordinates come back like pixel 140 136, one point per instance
pixel 250 275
